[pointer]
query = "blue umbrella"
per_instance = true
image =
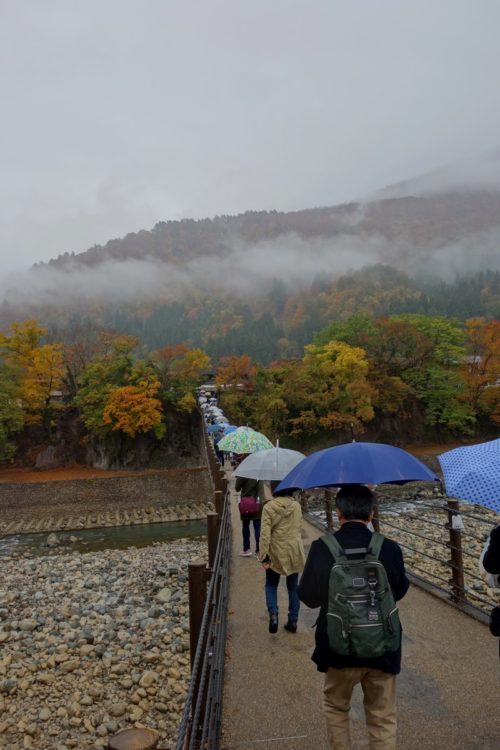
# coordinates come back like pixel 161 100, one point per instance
pixel 229 428
pixel 473 473
pixel 356 463
pixel 215 428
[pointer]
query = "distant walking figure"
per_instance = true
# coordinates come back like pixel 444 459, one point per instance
pixel 282 553
pixel 250 512
pixel 355 576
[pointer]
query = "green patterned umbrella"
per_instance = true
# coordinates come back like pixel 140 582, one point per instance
pixel 244 440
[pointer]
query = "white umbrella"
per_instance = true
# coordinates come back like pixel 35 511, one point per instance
pixel 269 465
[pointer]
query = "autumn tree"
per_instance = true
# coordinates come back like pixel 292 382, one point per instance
pixel 236 371
pixel 435 377
pixel 38 370
pixel 481 368
pixel 119 394
pixel 331 388
pixel 11 414
pixel 180 370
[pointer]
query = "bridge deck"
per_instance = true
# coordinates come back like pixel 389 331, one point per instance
pixel 448 691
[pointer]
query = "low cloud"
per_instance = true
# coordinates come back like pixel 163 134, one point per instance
pixel 245 272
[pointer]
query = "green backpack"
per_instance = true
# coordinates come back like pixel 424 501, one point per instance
pixel 362 617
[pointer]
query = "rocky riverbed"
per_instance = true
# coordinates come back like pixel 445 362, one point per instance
pixel 93 643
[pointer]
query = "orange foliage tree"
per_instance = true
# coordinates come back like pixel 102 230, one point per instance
pixel 481 368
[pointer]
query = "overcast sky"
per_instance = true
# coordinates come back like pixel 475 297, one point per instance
pixel 116 114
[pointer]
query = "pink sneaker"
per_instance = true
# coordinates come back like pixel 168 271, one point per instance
pixel 246 553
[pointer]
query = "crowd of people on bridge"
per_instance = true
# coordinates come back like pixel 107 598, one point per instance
pixel 354 569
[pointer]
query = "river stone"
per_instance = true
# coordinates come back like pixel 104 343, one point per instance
pixel 117 709
pixel 27 625
pixel 8 686
pixel 45 714
pixel 148 678
pixel 70 666
pixel 164 595
pixel 52 540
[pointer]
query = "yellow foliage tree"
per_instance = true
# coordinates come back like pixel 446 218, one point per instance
pixel 38 369
pixel 332 388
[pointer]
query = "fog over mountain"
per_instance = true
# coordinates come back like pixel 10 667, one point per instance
pixel 440 234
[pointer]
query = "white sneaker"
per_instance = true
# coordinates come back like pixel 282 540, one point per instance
pixel 246 553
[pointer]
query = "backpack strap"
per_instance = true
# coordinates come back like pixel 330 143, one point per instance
pixel 333 546
pixel 376 543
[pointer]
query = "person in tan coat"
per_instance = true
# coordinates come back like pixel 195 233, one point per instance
pixel 282 553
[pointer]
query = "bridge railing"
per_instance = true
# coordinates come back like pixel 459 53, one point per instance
pixel 200 725
pixel 441 538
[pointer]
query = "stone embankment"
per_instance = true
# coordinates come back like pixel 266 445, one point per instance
pixel 90 644
pixel 111 498
pixel 53 522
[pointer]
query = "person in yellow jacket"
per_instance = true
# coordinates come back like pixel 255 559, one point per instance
pixel 282 553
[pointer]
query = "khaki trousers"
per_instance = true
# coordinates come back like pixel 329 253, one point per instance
pixel 379 690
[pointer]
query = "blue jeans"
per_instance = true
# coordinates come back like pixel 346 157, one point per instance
pixel 271 588
pixel 245 527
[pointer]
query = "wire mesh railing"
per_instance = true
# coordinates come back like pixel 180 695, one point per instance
pixel 442 540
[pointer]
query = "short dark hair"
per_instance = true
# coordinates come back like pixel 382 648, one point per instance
pixel 355 501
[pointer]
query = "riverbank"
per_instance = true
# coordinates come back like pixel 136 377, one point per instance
pixel 93 643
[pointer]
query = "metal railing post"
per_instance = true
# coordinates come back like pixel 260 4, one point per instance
pixel 455 545
pixel 198 577
pixel 213 525
pixel 219 502
pixel 329 497
pixel 304 502
pixel 376 516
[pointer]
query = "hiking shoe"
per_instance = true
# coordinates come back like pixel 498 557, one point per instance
pixel 273 623
pixel 246 553
pixel 290 626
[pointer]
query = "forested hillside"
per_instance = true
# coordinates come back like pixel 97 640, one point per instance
pixel 263 283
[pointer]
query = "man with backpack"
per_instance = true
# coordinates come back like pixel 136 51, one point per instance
pixel 355 577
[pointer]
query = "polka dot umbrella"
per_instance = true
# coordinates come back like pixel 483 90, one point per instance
pixel 473 473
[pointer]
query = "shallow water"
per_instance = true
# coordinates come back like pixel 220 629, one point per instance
pixel 94 540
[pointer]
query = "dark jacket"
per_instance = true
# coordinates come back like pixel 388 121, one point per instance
pixel 313 591
pixel 491 559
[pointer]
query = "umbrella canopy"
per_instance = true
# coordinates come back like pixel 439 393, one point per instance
pixel 212 428
pixel 229 428
pixel 356 463
pixel 473 473
pixel 222 419
pixel 244 440
pixel 269 465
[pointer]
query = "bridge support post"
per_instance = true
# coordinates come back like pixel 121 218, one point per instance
pixel 213 525
pixel 454 526
pixel 198 577
pixel 329 500
pixel 376 517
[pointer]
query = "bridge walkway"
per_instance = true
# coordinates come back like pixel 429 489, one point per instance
pixel 448 691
